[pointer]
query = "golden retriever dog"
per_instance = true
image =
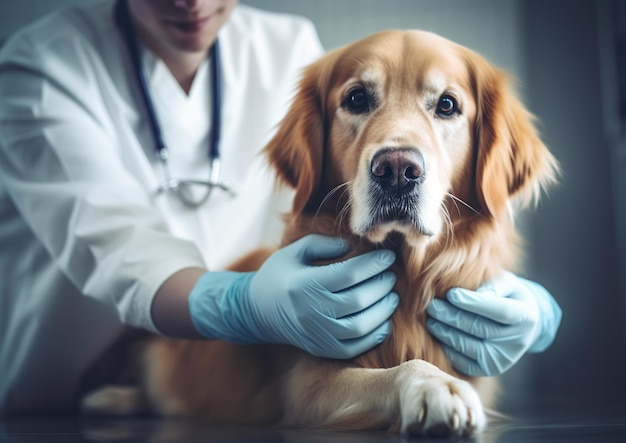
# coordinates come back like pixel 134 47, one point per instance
pixel 402 140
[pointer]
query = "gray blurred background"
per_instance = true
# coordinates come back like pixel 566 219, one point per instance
pixel 565 54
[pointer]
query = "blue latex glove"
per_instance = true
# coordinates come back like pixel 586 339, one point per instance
pixel 487 331
pixel 338 310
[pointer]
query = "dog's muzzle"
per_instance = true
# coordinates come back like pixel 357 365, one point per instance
pixel 396 176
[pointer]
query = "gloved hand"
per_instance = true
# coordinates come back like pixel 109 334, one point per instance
pixel 338 310
pixel 487 331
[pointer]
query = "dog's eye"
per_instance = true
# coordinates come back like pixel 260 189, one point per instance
pixel 446 106
pixel 357 101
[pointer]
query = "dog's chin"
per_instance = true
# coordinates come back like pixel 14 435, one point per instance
pixel 376 228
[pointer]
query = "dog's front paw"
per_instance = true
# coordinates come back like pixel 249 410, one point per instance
pixel 436 404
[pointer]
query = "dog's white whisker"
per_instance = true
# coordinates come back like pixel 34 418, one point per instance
pixel 447 219
pixel 344 212
pixel 330 193
pixel 456 199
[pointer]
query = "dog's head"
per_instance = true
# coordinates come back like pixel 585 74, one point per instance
pixel 404 131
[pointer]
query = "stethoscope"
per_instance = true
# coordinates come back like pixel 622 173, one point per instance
pixel 183 189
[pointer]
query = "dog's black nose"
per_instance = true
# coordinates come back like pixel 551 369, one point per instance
pixel 397 170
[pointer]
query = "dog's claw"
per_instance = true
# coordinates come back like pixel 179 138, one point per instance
pixel 455 421
pixel 422 414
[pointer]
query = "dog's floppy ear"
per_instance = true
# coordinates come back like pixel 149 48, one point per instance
pixel 296 150
pixel 511 160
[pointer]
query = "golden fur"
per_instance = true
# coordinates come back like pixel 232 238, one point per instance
pixel 479 164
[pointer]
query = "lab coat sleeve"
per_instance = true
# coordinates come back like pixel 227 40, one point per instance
pixel 60 163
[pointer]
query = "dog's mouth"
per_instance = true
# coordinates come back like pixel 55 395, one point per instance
pixel 396 211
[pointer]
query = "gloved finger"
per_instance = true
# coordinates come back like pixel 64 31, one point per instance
pixel 315 247
pixel 362 296
pixel 550 314
pixel 461 342
pixel 342 275
pixel 362 323
pixel 463 364
pixel 468 322
pixel 358 346
pixel 489 304
pixel 504 284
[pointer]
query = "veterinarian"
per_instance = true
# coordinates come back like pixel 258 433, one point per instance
pixel 130 167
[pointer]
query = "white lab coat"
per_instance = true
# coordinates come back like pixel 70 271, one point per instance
pixel 85 242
